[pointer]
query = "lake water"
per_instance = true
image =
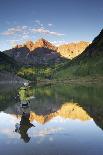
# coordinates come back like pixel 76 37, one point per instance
pixel 60 120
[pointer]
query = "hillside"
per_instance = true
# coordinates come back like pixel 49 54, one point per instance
pixel 7 63
pixel 72 50
pixel 8 69
pixel 88 63
pixel 93 50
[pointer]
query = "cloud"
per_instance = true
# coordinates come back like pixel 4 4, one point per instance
pixel 38 22
pixel 26 31
pixel 46 31
pixel 11 31
pixel 46 131
pixel 20 34
pixel 14 30
pixel 50 24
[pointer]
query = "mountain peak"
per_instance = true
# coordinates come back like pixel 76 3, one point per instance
pixel 40 43
pixel 29 44
pixel 44 43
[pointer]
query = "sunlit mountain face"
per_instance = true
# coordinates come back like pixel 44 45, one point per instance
pixel 53 118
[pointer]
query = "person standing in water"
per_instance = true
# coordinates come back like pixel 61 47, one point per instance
pixel 24 96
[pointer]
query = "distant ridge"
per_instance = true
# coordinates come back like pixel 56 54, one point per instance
pixel 72 50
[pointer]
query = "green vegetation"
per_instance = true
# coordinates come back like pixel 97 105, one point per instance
pixel 89 67
pixel 40 72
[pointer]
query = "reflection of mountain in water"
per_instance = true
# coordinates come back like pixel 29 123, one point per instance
pixel 67 110
pixel 61 101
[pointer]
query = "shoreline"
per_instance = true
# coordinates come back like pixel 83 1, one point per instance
pixel 75 80
pixel 79 80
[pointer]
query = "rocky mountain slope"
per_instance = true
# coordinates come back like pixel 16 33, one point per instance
pixel 39 53
pixel 72 50
pixel 40 43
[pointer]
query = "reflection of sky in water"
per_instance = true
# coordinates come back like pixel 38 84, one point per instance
pixel 59 135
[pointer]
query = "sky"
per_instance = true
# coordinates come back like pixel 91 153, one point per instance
pixel 58 21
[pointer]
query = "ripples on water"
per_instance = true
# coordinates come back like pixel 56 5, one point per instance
pixel 61 120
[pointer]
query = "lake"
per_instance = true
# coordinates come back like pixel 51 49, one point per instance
pixel 60 120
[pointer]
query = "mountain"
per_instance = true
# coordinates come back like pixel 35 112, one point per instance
pixel 72 50
pixel 88 63
pixel 40 43
pixel 42 52
pixel 39 53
